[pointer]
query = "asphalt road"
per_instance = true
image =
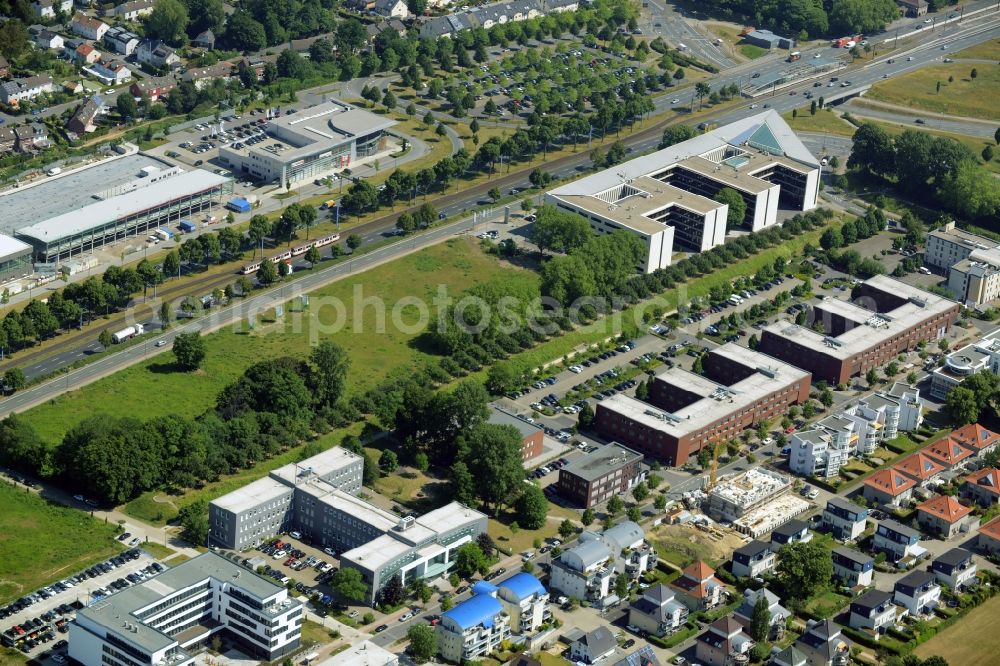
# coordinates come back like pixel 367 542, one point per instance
pixel 919 120
pixel 955 37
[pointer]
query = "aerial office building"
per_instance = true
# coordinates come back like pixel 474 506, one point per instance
pixel 667 198
pixel 593 478
pixel 167 619
pixel 686 411
pixel 962 363
pixel 886 318
pixel 118 200
pixel 316 497
pixel 309 143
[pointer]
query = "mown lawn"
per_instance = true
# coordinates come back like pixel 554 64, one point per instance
pixel 964 96
pixel 752 51
pixel 42 542
pixel 454 265
pixel 825 122
pixel 968 640
pixel 987 51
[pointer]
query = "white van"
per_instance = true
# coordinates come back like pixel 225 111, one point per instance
pixel 682 47
pixel 925 270
pixel 735 300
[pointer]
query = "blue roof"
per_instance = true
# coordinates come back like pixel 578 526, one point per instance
pixel 523 585
pixel 484 587
pixel 480 609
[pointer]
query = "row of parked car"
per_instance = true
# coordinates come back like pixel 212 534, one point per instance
pixel 548 468
pixel 133 578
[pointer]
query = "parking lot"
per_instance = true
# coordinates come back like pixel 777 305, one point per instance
pixel 33 623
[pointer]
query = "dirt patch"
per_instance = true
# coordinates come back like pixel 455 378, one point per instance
pixel 683 544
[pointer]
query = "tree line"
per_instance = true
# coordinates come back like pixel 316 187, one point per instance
pixel 938 171
pixel 809 19
pixel 273 406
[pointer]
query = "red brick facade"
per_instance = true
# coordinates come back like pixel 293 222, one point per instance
pixel 531 446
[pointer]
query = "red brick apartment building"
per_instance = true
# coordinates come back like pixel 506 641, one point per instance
pixel 595 477
pixel 887 317
pixel 531 434
pixel 739 389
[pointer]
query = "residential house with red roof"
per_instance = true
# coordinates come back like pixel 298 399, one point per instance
pixel 921 468
pixel 890 486
pixel 982 487
pixel 85 54
pixel 975 437
pixel 989 537
pixel 949 452
pixel 945 516
pixel 88 27
pixel 698 588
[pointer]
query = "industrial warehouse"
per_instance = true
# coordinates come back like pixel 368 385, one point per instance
pixel 739 388
pixel 667 197
pixel 309 144
pixel 886 318
pixel 120 198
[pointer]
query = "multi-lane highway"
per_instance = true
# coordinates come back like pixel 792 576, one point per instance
pixel 953 38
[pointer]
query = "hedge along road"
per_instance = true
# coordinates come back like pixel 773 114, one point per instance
pixel 232 315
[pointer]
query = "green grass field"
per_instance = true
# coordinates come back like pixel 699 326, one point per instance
pixel 752 51
pixel 968 640
pixel 965 96
pixel 986 51
pixel 43 542
pixel 825 121
pixel 457 265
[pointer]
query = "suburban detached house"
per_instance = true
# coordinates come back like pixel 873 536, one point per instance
pixel 156 53
pixel 988 540
pixel 47 8
pixel 19 90
pixel 955 569
pixel 790 656
pixel 823 644
pixel 949 452
pixel 854 568
pixel 85 54
pixel 155 88
pixel 88 27
pixel 874 610
pixel 897 541
pixel 32 137
pixel 918 592
pixel 391 9
pixel 921 468
pixel 976 438
pixel 121 41
pixel 698 588
pixel 49 39
pixel 130 11
pixel 110 72
pixel 794 531
pixel 204 40
pixel 657 611
pixel 754 559
pixel 591 647
pixel 845 519
pixel 203 76
pixel 73 87
pixel 722 642
pixel 888 487
pixel 944 516
pixel 744 614
pixel 982 487
pixel 85 118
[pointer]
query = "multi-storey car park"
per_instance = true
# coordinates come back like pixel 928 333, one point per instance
pixel 117 200
pixel 667 197
pixel 310 143
pixel 739 388
pixel 886 318
pixel 316 497
pixel 166 620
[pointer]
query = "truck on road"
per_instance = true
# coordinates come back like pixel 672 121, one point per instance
pixel 128 333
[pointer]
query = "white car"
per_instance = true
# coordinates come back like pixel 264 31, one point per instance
pixel 768 441
pixel 575 368
pixel 675 101
pixel 405 616
pixel 295 535
pixel 279 554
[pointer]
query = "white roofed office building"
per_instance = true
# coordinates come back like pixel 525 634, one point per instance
pixel 167 619
pixel 309 143
pixel 153 197
pixel 981 355
pixel 15 259
pixel 667 198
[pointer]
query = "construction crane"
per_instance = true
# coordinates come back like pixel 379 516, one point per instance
pixel 714 473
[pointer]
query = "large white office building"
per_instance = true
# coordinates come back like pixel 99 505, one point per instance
pixel 971 262
pixel 317 497
pixel 962 363
pixel 167 619
pixel 667 198
pixel 310 143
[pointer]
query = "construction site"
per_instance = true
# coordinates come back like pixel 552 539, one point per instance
pixel 731 499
